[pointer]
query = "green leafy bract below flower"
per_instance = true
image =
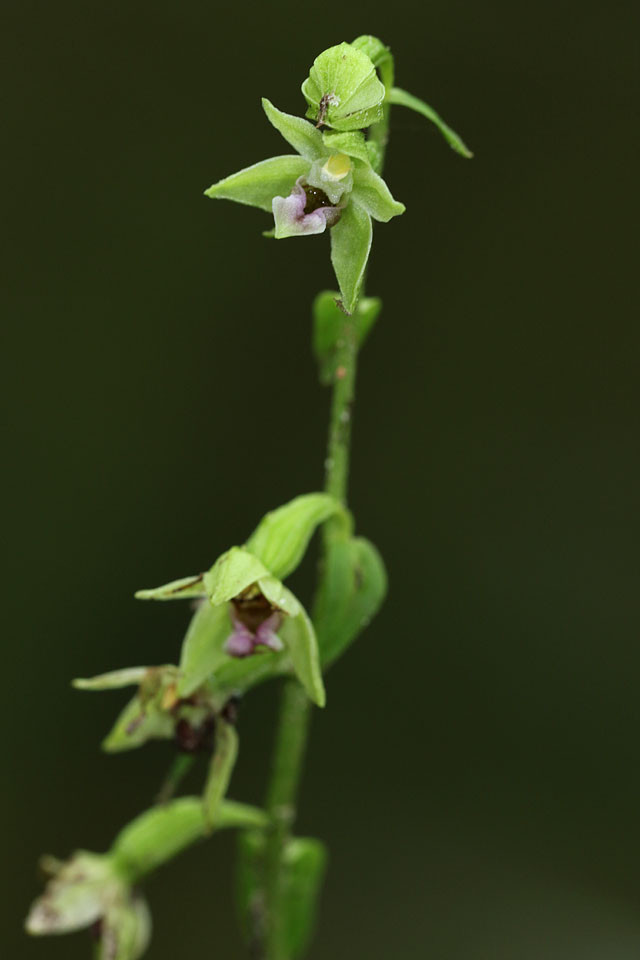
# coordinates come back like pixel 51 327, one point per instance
pixel 337 163
pixel 304 861
pixel 403 99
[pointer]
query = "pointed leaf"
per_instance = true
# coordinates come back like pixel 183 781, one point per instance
pixel 351 143
pixel 257 185
pixel 220 770
pixel 203 646
pixel 350 246
pixel 372 193
pixel 232 573
pixel 282 536
pixel 328 328
pixel 182 589
pixel 299 133
pixel 342 89
pixel 299 638
pixel 403 99
pixel 352 588
pixel 130 676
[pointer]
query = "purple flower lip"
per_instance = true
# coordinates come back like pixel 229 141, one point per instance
pixel 243 641
pixel 291 217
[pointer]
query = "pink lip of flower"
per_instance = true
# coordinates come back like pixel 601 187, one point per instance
pixel 291 220
pixel 242 642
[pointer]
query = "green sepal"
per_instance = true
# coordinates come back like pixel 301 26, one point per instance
pixel 162 832
pixel 114 680
pixel 352 143
pixel 343 90
pixel 220 770
pixel 352 588
pixel 282 536
pixel 299 133
pixel 373 195
pixel 350 245
pixel 403 99
pixel 299 637
pixel 257 185
pixel 137 723
pixel 203 646
pixel 303 864
pixel 125 931
pixel 183 589
pixel 232 573
pixel 328 328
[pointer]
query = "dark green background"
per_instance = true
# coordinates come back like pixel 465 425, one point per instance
pixel 476 772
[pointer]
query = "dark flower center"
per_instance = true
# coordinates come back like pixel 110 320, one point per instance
pixel 315 198
pixel 252 610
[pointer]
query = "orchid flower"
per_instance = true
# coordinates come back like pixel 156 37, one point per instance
pixel 330 183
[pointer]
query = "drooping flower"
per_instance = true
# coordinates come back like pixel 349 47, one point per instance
pixel 90 891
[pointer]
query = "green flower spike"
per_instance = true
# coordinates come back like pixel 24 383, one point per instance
pixel 253 627
pixel 329 183
pixel 97 890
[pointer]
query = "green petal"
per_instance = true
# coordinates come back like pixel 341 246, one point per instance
pixel 299 638
pixel 372 193
pixel 282 536
pixel 182 589
pixel 232 573
pixel 130 676
pixel 299 133
pixel 350 246
pixel 256 186
pixel 203 647
pixel 403 99
pixel 343 90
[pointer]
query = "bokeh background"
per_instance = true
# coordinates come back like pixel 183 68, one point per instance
pixel 476 772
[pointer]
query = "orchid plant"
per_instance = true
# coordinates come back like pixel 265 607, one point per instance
pixel 247 627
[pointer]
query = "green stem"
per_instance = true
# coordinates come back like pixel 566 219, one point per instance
pixel 295 709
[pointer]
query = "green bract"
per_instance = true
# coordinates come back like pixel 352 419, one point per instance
pixel 335 163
